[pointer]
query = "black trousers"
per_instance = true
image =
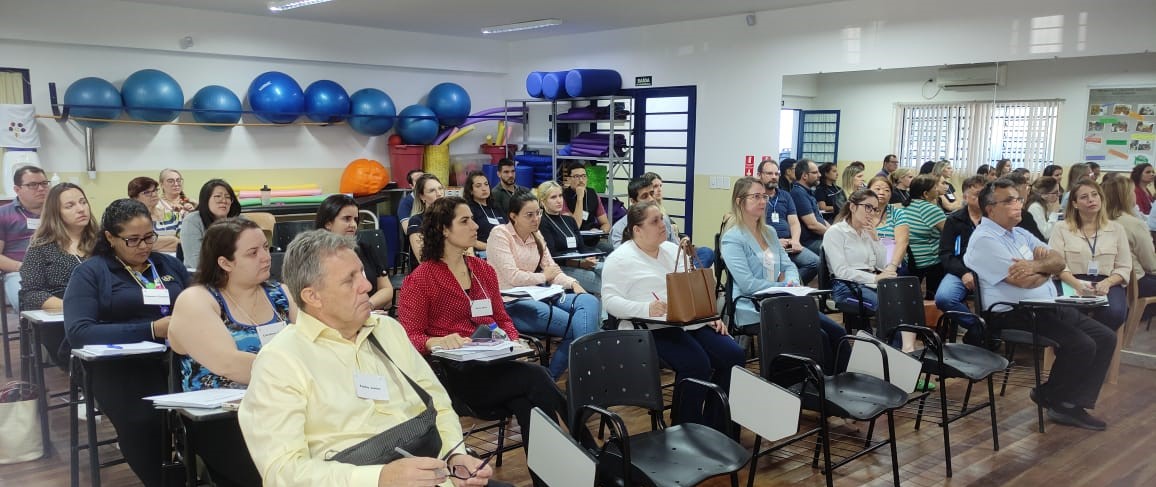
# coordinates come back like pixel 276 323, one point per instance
pixel 220 444
pixel 118 387
pixel 1082 359
pixel 516 387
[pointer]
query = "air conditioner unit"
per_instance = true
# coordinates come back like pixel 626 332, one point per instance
pixel 972 75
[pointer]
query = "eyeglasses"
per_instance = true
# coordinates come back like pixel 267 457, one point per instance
pixel 870 209
pixel 221 197
pixel 1009 201
pixel 148 239
pixel 579 176
pixel 149 192
pixel 531 216
pixel 464 473
pixel 37 185
pixel 757 196
pixel 174 181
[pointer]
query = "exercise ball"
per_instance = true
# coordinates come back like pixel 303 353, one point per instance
pixel 276 98
pixel 373 112
pixel 152 95
pixel 326 101
pixel 450 102
pixel 216 104
pixel 92 98
pixel 417 124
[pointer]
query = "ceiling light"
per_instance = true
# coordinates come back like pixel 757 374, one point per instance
pixel 515 27
pixel 282 5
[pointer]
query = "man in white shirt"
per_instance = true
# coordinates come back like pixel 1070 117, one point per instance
pixel 1012 265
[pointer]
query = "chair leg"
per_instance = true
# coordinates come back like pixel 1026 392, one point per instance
pixel 1036 359
pixel 735 479
pixel 967 396
pixel 502 441
pixel 919 412
pixel 755 461
pixel 870 433
pixel 945 424
pixel 1011 355
pixel 991 406
pixel 894 451
pixel 826 439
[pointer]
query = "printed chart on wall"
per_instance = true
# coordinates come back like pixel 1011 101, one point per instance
pixel 1119 133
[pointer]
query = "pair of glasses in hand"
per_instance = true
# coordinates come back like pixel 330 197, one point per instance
pixel 461 472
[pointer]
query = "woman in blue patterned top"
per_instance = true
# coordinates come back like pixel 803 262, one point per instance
pixel 218 326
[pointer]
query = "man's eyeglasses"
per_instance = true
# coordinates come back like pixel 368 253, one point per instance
pixel 1009 201
pixel 148 239
pixel 461 471
pixel 578 176
pixel 757 196
pixel 149 192
pixel 870 209
pixel 37 185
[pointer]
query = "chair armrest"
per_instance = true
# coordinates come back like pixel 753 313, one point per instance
pixel 953 317
pixel 856 289
pixel 581 434
pixel 930 338
pixel 721 395
pixel 874 341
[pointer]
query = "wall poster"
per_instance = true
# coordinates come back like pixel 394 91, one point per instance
pixel 1119 131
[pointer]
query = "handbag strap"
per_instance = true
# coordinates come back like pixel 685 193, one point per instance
pixel 425 397
pixel 686 257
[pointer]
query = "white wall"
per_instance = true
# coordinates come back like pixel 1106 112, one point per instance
pixel 867 98
pixel 64 40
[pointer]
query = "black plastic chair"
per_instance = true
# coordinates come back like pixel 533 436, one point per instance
pixel 994 321
pixel 855 315
pixel 284 231
pixel 901 309
pixel 791 349
pixel 497 417
pixel 621 368
pixel 276 262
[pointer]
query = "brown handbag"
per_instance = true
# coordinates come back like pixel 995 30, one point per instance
pixel 690 295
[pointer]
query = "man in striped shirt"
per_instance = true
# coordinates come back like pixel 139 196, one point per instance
pixel 18 221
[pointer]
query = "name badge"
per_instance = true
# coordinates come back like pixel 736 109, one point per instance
pixel 774 218
pixel 571 242
pixel 156 297
pixel 480 308
pixel 371 386
pixel 1025 252
pixel 1093 268
pixel 585 215
pixel 493 220
pixel 32 223
pixel 267 332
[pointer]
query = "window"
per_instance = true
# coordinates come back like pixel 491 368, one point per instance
pixel 971 134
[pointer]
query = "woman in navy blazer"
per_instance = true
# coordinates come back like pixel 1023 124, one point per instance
pixel 756 261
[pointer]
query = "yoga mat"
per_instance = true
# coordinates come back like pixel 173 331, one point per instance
pixel 280 193
pixel 288 200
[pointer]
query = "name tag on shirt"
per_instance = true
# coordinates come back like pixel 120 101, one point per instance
pixel 585 215
pixel 492 220
pixel 156 297
pixel 371 386
pixel 774 218
pixel 480 308
pixel 267 332
pixel 32 223
pixel 571 242
pixel 1093 268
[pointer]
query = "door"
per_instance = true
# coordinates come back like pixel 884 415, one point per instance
pixel 664 144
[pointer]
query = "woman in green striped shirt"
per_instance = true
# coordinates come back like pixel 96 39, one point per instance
pixel 925 222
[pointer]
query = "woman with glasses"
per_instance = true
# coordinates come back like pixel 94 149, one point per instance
pixel 218 326
pixel 174 204
pixel 1098 261
pixel 220 202
pixel 427 190
pixel 144 190
pixel 756 260
pixel 1044 203
pixel 519 255
pixel 893 232
pixel 477 192
pixel 448 297
pixel 125 294
pixel 338 214
pixel 925 223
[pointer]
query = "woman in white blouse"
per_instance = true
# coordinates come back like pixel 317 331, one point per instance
pixel 1044 203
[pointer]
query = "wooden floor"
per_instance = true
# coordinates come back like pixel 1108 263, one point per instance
pixel 1064 456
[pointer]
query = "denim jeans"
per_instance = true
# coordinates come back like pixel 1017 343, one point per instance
pixel 950 296
pixel 534 317
pixel 702 354
pixel 12 290
pixel 808 264
pixel 844 294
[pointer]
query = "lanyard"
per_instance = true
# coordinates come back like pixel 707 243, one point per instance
pixel 1093 242
pixel 775 203
pixel 140 278
pixel 565 231
pixel 493 215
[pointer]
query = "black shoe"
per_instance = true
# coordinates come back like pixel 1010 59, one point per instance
pixel 1038 397
pixel 974 338
pixel 1076 416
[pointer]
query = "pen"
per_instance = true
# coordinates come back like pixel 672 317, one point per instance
pixel 656 298
pixel 117 347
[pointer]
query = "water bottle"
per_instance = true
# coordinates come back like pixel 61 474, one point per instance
pixel 497 333
pixel 55 179
pixel 266 195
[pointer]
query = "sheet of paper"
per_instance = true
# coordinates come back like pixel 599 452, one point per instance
pixel 204 398
pixel 792 290
pixel 537 293
pixel 123 349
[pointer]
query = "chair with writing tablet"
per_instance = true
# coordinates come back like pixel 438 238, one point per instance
pixel 751 398
pixel 556 458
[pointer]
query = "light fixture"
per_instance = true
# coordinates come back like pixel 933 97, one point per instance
pixel 283 5
pixel 518 26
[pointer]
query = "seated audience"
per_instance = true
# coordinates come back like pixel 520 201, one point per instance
pixel 507 188
pixel 781 215
pixel 787 170
pixel 342 376
pixel 1076 172
pixel 1142 176
pixel 639 190
pixel 520 258
pixel 18 221
pixel 1028 222
pixel 925 223
pixel 1012 265
pixel 561 235
pixel 948 200
pixel 705 254
pixel 1043 203
pixel 405 206
pixel 486 215
pixel 220 202
pixel 218 326
pixel 428 189
pixel 756 261
pixel 144 190
pixel 1002 168
pixel 987 172
pixel 338 214
pixel 958 281
pixel 1097 259
pixel 1054 171
pixel 901 185
pixel 124 294
pixel 803 192
pixel 436 316
pixel 175 206
pixel 890 164
pixel 634 286
pixel 893 231
pixel 828 193
pixel 1118 203
pixel 583 204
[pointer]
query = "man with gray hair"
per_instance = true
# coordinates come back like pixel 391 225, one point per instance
pixel 341 397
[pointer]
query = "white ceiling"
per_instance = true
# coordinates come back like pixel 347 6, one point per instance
pixel 465 18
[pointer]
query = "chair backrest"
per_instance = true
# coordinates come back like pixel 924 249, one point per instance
pixel 789 324
pixel 725 282
pixel 554 457
pixel 374 238
pixel 751 397
pixel 276 261
pixel 900 302
pixel 614 368
pixel 283 232
pixel 263 219
pixel 825 281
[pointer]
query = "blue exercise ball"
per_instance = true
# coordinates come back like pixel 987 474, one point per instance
pixel 276 98
pixel 326 102
pixel 93 98
pixel 152 95
pixel 216 104
pixel 417 124
pixel 373 112
pixel 450 102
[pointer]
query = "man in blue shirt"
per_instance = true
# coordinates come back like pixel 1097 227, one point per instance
pixel 1012 265
pixel 803 192
pixel 781 216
